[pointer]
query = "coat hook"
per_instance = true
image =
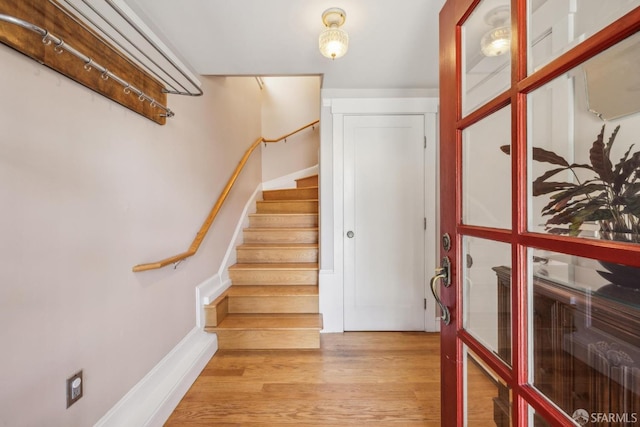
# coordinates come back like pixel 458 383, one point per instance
pixel 126 89
pixel 45 39
pixel 105 74
pixel 87 65
pixel 141 97
pixel 58 47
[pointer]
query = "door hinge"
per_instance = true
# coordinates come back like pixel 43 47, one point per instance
pixel 425 141
pixel 425 303
pixel 425 223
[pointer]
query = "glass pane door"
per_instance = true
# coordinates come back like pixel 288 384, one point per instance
pixel 540 196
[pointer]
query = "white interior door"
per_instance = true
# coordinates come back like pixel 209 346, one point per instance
pixel 384 235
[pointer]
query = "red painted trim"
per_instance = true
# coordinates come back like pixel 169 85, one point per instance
pixel 604 39
pixel 489 356
pixel 497 234
pixel 554 416
pixel 519 184
pixel 606 250
pixel 519 288
pixel 451 368
pixel 518 41
pixel 485 110
pixel 454 14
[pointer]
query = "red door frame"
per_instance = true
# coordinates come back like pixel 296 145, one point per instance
pixel 453 336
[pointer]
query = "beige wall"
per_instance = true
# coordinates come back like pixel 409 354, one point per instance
pixel 287 104
pixel 87 190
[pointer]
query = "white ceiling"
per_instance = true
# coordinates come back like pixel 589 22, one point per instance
pixel 393 43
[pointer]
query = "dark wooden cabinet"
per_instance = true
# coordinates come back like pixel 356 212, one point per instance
pixel 585 349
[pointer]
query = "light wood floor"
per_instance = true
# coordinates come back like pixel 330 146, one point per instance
pixel 367 378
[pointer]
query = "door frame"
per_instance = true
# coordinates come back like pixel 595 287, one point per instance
pixel 333 111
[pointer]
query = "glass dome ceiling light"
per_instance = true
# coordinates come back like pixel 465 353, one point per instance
pixel 333 41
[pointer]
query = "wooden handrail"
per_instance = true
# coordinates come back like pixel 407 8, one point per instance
pixel 216 208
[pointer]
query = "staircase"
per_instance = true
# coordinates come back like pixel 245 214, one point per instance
pixel 273 299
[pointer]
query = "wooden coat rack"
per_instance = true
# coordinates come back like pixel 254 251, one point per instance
pixel 54 38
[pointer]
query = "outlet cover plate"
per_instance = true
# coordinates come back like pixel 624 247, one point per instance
pixel 75 388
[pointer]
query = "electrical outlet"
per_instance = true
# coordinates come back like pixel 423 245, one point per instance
pixel 75 386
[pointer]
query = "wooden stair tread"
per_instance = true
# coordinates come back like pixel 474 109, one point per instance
pixel 273 290
pixel 278 246
pixel 284 214
pixel 288 201
pixel 276 266
pixel 293 321
pixel 292 188
pixel 280 229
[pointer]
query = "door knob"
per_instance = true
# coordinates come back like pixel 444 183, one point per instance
pixel 350 234
pixel 443 273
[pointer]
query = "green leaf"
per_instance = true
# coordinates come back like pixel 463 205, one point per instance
pixel 582 190
pixel 600 159
pixel 545 156
pixel 632 206
pixel 629 167
pixel 574 228
pixel 591 213
pixel 557 230
pixel 540 188
pixel 619 177
pixel 631 191
pixel 611 141
pixel 548 174
pixel 565 216
pixel 554 206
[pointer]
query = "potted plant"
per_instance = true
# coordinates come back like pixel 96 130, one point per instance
pixel 601 193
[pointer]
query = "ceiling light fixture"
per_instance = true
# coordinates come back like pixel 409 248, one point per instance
pixel 333 41
pixel 497 41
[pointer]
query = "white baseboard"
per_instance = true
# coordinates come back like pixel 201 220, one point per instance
pixel 289 181
pixel 150 402
pixel 331 301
